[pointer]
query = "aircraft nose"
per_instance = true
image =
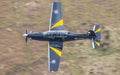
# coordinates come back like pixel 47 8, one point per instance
pixel 25 35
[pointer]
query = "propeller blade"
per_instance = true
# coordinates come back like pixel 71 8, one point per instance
pixel 26 31
pixel 26 35
pixel 26 39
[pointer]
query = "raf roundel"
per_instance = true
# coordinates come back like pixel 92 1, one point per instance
pixel 53 61
pixel 56 11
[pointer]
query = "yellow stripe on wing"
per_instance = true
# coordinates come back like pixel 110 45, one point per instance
pixel 98 30
pixel 58 52
pixel 59 23
pixel 97 43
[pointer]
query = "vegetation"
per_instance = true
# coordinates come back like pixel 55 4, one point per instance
pixel 19 58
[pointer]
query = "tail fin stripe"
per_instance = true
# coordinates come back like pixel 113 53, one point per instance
pixel 97 43
pixel 98 30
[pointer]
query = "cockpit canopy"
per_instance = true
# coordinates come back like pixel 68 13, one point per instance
pixel 55 33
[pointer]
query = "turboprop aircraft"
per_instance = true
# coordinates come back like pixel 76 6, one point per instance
pixel 56 35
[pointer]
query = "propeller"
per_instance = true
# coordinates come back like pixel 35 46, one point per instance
pixel 26 39
pixel 26 36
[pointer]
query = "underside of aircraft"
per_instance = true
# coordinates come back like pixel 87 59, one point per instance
pixel 56 35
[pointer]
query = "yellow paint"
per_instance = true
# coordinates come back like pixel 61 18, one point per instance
pixel 58 52
pixel 98 30
pixel 59 23
pixel 98 43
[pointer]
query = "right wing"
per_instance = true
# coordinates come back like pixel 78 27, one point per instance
pixel 56 21
pixel 54 54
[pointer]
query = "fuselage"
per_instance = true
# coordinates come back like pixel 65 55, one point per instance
pixel 58 35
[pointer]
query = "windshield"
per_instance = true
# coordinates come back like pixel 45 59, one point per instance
pixel 55 33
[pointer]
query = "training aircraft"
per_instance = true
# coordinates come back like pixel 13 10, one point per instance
pixel 57 35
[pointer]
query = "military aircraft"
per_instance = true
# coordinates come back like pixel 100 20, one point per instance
pixel 57 35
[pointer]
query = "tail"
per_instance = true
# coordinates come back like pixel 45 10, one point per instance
pixel 96 40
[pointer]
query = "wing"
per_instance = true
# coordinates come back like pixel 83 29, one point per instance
pixel 54 54
pixel 56 21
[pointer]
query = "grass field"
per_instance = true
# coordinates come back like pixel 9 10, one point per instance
pixel 19 58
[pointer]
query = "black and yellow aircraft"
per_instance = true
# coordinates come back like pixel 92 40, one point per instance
pixel 57 35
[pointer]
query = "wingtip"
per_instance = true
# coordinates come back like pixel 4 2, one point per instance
pixel 52 71
pixel 56 1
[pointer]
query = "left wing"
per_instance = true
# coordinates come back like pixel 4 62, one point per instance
pixel 56 21
pixel 54 54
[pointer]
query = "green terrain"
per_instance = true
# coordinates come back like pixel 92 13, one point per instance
pixel 19 58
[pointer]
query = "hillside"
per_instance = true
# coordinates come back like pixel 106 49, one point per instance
pixel 19 58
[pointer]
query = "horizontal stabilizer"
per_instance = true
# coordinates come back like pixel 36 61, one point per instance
pixel 96 41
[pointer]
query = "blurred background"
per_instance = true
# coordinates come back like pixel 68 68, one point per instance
pixel 19 58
